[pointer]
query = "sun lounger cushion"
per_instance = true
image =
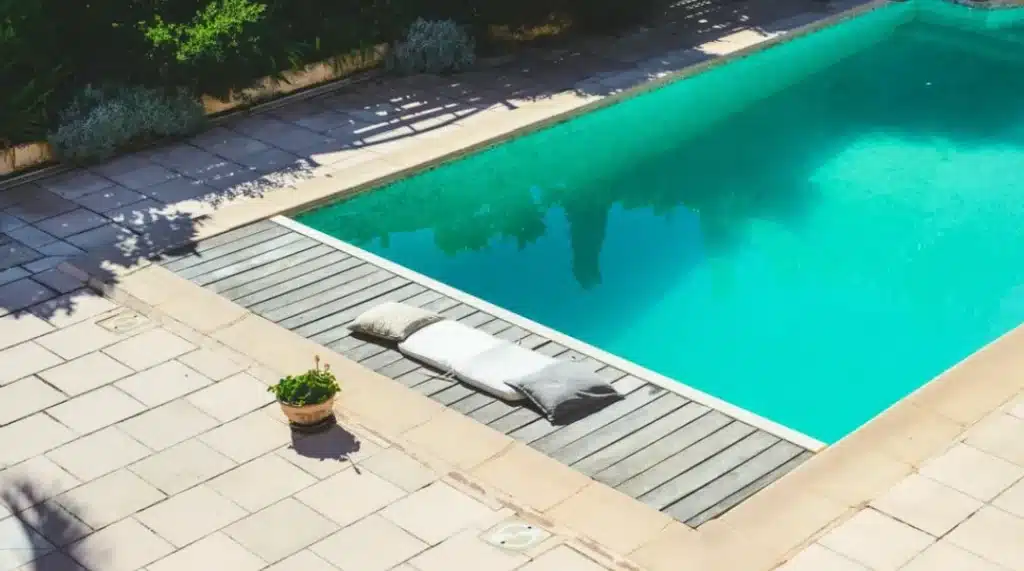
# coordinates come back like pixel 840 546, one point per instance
pixel 447 344
pixel 566 391
pixel 493 370
pixel 393 321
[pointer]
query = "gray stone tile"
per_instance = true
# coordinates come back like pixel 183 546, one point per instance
pixel 21 294
pixel 144 176
pixel 179 189
pixel 280 134
pixel 185 159
pixel 59 249
pixel 74 184
pixel 42 205
pixel 55 279
pixel 8 222
pixel 31 236
pixel 109 198
pixel 270 160
pixel 228 143
pixel 226 175
pixel 74 222
pixel 102 237
pixel 12 274
pixel 15 253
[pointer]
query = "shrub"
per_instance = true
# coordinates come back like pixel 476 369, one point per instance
pixel 433 47
pixel 100 122
pixel 312 387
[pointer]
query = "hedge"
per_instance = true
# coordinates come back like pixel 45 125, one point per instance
pixel 50 50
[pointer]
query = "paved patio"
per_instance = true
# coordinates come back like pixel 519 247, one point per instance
pixel 135 431
pixel 129 444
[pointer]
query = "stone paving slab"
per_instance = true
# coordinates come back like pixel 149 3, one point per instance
pixel 156 448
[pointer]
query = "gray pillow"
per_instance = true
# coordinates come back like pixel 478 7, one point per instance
pixel 566 391
pixel 393 321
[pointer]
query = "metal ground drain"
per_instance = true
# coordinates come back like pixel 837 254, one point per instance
pixel 124 322
pixel 515 535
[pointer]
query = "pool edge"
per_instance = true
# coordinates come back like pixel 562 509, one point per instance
pixel 678 387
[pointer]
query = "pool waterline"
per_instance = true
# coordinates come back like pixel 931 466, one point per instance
pixel 738 266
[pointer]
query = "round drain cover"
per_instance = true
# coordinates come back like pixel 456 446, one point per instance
pixel 517 535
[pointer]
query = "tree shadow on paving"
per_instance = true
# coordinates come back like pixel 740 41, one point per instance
pixel 46 540
pixel 149 202
pixel 335 444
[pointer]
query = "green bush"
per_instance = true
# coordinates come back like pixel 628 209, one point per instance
pixel 434 46
pixel 100 122
pixel 315 386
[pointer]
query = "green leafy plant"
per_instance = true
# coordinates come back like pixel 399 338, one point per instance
pixel 433 47
pixel 314 386
pixel 100 122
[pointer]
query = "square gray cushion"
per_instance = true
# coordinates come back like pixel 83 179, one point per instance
pixel 393 321
pixel 566 391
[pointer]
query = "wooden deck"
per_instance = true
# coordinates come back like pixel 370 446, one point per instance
pixel 678 456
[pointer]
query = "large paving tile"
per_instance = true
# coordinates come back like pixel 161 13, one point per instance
pixel 75 183
pixel 23 360
pixel 124 546
pixel 233 397
pixel 20 544
pixel 74 307
pixel 15 329
pixel 370 544
pixel 261 533
pixel 993 535
pixel 190 515
pixel 25 397
pixel 327 453
pixel 216 364
pixel 944 556
pixel 877 541
pixel 182 466
pixel 304 560
pixel 149 348
pixel 216 551
pixel 817 558
pixel 80 339
pixel 31 236
pixel 248 437
pixel 1012 500
pixel 13 253
pixel 55 561
pixel 997 435
pixel 168 424
pixel 228 144
pixel 436 513
pixel 95 410
pixel 31 482
pixel 99 453
pixel 109 198
pixel 927 504
pixel 349 496
pixel 109 498
pixel 85 373
pixel 564 558
pixel 41 206
pixel 262 482
pixel 18 295
pixel 30 437
pixel 73 222
pixel 400 469
pixel 162 383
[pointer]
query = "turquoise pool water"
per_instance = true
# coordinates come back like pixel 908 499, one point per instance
pixel 810 233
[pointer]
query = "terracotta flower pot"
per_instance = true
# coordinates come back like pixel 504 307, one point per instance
pixel 308 414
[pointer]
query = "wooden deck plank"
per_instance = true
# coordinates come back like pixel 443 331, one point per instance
pixel 633 443
pixel 317 282
pixel 204 255
pixel 612 432
pixel 644 482
pixel 749 490
pixel 197 249
pixel 709 470
pixel 662 450
pixel 702 496
pixel 289 280
pixel 315 297
pixel 242 256
pixel 692 462
pixel 311 259
pixel 254 262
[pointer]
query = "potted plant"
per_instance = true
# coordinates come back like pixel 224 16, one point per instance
pixel 308 399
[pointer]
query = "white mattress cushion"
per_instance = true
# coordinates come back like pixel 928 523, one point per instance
pixel 492 370
pixel 447 344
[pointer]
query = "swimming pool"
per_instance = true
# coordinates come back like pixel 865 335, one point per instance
pixel 810 232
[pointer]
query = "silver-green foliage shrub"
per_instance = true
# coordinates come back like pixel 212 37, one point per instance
pixel 100 122
pixel 434 46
